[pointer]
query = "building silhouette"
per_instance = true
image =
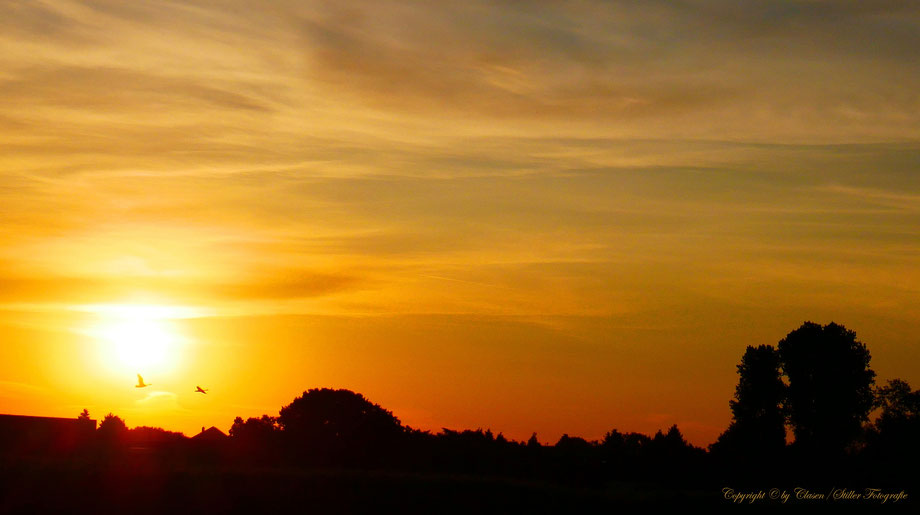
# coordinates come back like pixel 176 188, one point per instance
pixel 28 436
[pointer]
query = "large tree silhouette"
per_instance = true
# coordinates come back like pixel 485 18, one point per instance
pixel 830 386
pixel 758 422
pixel 325 424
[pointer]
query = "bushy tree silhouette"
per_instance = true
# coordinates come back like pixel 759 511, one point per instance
pixel 670 447
pixel 340 425
pixel 256 440
pixel 897 402
pixel 894 435
pixel 112 433
pixel 758 422
pixel 672 441
pixel 574 445
pixel 626 444
pixel 84 415
pixel 112 427
pixel 254 429
pixel 830 389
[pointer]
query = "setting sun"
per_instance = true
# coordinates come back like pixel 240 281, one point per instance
pixel 136 339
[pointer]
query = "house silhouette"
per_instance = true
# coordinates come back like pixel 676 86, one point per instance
pixel 211 434
pixel 22 435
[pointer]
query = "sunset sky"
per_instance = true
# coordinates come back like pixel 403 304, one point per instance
pixel 552 217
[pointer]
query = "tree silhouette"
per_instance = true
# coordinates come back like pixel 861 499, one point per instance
pixel 325 424
pixel 672 441
pixel 533 442
pixel 897 401
pixel 84 415
pixel 112 431
pixel 894 435
pixel 670 447
pixel 255 439
pixel 254 429
pixel 153 435
pixel 830 386
pixel 758 423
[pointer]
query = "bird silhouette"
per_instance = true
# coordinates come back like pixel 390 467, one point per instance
pixel 202 390
pixel 140 382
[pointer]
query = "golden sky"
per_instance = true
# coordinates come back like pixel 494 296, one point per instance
pixel 561 217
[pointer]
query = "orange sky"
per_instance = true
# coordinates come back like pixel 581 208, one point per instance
pixel 561 217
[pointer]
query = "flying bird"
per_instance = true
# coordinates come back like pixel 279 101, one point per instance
pixel 202 390
pixel 140 382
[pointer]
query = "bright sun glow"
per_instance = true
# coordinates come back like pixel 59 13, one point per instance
pixel 138 343
pixel 137 338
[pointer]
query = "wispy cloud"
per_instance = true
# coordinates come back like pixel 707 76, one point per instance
pixel 16 389
pixel 83 290
pixel 315 151
pixel 907 202
pixel 160 400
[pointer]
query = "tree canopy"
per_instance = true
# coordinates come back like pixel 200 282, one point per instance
pixel 758 422
pixel 112 427
pixel 326 423
pixel 830 385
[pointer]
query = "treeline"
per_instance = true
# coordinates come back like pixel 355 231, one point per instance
pixel 804 408
pixel 340 428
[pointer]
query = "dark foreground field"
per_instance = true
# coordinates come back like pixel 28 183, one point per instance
pixel 39 489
